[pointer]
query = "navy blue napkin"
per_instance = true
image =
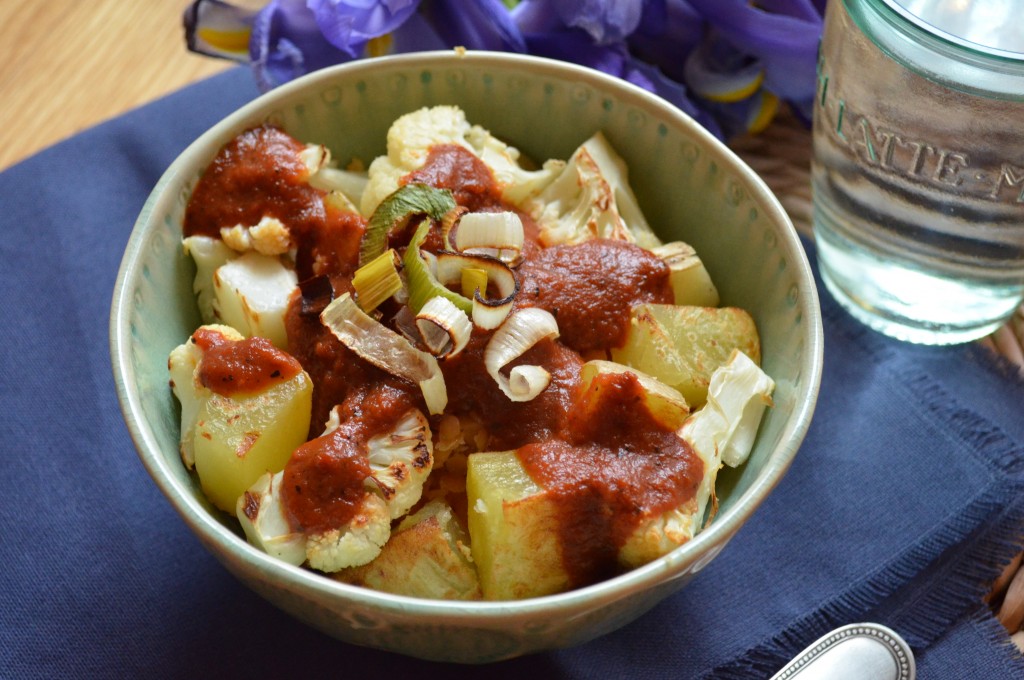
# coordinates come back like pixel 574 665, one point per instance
pixel 905 500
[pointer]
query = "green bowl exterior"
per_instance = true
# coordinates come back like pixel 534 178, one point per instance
pixel 690 186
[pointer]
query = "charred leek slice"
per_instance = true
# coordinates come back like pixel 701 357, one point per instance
pixel 487 313
pixel 385 349
pixel 514 338
pixel 377 280
pixel 444 328
pixel 498 234
pixel 429 278
pixel 395 210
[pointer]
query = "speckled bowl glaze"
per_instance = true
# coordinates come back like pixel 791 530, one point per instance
pixel 690 186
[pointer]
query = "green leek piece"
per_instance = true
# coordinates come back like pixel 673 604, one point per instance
pixel 423 285
pixel 396 209
pixel 474 279
pixel 377 280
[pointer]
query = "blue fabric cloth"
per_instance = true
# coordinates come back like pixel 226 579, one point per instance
pixel 903 503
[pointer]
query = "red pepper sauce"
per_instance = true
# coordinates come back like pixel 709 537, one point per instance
pixel 325 480
pixel 238 367
pixel 591 287
pixel 260 174
pixel 512 424
pixel 611 467
pixel 332 246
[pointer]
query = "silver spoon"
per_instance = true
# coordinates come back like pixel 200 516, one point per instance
pixel 859 651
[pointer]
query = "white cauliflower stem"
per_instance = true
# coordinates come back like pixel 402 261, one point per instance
pixel 252 293
pixel 208 254
pixel 263 519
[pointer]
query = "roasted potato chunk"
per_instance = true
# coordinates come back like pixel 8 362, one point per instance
pixel 682 346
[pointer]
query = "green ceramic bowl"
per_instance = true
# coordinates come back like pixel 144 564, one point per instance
pixel 690 186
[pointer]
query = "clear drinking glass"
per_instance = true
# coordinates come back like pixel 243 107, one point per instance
pixel 918 170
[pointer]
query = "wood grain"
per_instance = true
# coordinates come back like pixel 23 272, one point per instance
pixel 66 65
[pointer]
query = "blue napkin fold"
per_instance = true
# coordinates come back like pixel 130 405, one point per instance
pixel 904 502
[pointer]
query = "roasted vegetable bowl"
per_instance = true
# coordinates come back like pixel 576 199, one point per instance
pixel 464 356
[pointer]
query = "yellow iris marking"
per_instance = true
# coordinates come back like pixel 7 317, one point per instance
pixel 765 113
pixel 736 95
pixel 379 46
pixel 226 40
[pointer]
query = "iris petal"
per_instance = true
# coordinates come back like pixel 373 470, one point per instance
pixel 786 45
pixel 669 30
pixel 474 24
pixel 287 43
pixel 350 24
pixel 607 22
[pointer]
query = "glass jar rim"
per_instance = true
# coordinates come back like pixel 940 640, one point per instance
pixel 955 40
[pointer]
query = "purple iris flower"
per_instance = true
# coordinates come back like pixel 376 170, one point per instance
pixel 474 24
pixel 668 31
pixel 286 43
pixel 350 24
pixel 706 57
pixel 782 34
pixel 605 21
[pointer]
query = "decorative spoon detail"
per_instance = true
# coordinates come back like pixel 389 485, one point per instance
pixel 859 651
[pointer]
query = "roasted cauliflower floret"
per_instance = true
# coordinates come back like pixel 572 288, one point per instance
pixel 409 141
pixel 357 542
pixel 249 290
pixel 427 556
pixel 263 518
pixel 401 461
pixel 268 237
pixel 591 198
pixel 251 294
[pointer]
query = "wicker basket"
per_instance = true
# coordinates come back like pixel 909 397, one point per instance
pixel 781 155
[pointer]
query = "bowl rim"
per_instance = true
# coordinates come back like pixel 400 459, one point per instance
pixel 235 551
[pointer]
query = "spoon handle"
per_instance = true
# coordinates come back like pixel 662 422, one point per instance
pixel 859 651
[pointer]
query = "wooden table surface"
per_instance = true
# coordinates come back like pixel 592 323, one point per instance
pixel 66 65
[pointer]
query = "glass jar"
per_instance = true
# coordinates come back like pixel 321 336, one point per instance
pixel 918 171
